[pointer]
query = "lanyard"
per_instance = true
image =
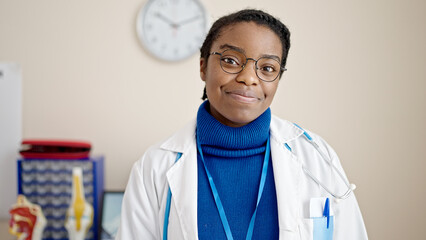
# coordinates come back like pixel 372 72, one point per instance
pixel 219 202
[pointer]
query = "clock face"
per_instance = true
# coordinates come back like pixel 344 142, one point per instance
pixel 172 30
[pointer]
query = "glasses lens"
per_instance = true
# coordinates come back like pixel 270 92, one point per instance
pixel 232 61
pixel 268 69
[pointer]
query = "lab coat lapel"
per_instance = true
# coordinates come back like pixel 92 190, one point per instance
pixel 287 174
pixel 287 181
pixel 182 179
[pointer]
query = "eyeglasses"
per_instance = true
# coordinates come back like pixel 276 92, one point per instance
pixel 232 61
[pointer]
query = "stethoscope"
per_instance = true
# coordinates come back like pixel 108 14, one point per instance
pixel 350 186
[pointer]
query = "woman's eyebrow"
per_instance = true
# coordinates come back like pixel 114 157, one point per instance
pixel 228 46
pixel 272 56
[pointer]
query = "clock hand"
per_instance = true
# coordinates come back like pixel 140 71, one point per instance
pixel 187 21
pixel 160 16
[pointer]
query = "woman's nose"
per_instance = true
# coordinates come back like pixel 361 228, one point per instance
pixel 248 75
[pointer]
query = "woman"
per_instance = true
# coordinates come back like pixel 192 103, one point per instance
pixel 237 172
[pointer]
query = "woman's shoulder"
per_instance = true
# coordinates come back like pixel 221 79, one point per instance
pixel 165 151
pixel 288 132
pixel 283 130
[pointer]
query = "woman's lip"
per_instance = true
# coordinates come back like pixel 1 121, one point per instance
pixel 243 96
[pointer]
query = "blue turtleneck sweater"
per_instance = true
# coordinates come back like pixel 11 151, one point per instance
pixel 234 158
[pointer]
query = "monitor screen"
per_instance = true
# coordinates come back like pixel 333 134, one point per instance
pixel 110 215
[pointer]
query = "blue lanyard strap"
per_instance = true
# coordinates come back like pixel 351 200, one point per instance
pixel 219 202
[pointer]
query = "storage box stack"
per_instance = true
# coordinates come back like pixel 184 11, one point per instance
pixel 47 181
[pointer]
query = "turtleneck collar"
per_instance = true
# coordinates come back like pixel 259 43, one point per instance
pixel 211 132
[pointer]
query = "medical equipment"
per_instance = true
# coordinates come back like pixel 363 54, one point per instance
pixel 351 186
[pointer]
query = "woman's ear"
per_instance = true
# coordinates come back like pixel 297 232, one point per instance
pixel 203 67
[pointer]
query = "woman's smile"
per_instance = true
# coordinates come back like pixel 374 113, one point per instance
pixel 243 96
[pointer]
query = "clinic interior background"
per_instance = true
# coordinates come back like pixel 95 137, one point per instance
pixel 356 76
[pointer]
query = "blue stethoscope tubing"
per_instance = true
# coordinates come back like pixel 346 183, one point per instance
pixel 351 187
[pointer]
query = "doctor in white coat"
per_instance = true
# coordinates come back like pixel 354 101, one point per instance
pixel 242 60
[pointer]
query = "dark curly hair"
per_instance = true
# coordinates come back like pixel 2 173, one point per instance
pixel 247 15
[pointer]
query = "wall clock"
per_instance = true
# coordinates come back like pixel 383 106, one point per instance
pixel 172 30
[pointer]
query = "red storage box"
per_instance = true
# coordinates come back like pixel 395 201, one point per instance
pixel 55 149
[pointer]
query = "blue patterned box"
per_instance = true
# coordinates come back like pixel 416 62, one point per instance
pixel 48 182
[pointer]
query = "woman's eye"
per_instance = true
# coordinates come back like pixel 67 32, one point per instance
pixel 229 60
pixel 268 69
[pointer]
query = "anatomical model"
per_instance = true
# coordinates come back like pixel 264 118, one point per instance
pixel 80 213
pixel 27 220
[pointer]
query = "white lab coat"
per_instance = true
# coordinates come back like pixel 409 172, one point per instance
pixel 145 197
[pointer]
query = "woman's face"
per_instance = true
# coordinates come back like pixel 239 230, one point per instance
pixel 237 99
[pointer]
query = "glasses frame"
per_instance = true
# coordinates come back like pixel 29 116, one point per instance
pixel 244 65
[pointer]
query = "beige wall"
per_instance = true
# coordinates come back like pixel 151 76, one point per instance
pixel 356 76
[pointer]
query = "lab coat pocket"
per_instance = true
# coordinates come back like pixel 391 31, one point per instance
pixel 286 234
pixel 321 214
pixel 323 228
pixel 316 228
pixel 306 229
